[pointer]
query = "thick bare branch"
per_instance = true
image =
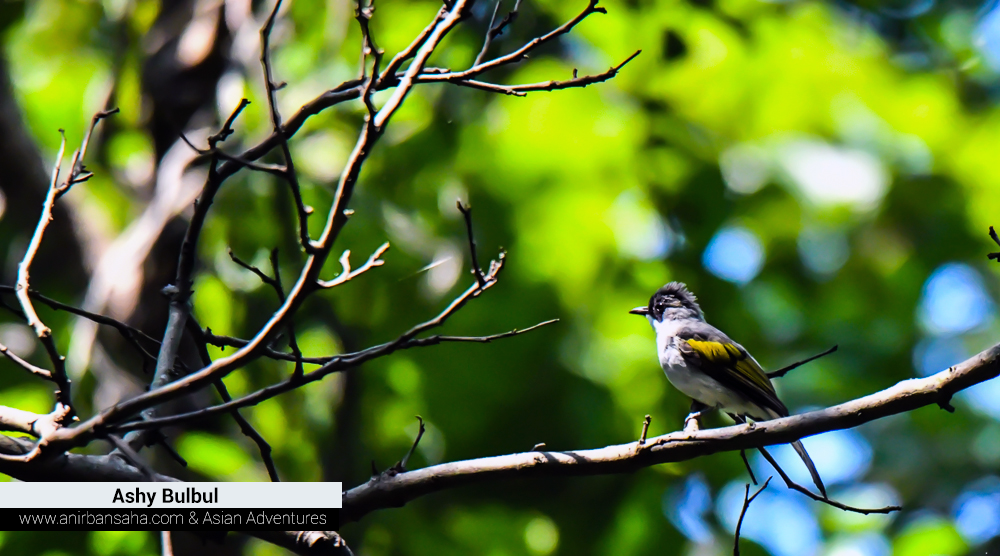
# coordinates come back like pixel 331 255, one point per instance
pixel 384 492
pixel 304 285
pixel 180 291
pixel 306 543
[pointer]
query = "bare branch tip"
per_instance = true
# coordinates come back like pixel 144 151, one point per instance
pixel 105 113
pixel 627 60
pixel 645 429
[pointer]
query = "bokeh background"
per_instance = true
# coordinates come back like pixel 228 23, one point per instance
pixel 818 173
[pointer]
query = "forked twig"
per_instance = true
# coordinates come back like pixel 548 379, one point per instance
pixel 77 174
pixel 494 32
pixel 347 274
pixel 747 499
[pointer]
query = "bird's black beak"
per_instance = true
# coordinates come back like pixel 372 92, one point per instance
pixel 644 310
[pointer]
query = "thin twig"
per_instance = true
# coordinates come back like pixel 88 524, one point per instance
pixel 363 14
pixel 227 127
pixel 400 467
pixel 272 89
pixel 267 280
pixel 747 499
pixel 275 283
pixel 129 333
pixel 161 441
pixel 245 427
pixel 339 363
pixel 746 463
pixel 43 332
pixel 795 486
pixel 784 370
pixel 293 342
pixel 489 35
pixel 994 256
pixel 466 211
pixel 521 90
pixel 645 429
pixel 522 52
pixel 78 172
pixel 228 341
pixel 494 32
pixel 388 76
pixel 221 341
pixel 24 364
pixel 347 274
pixel 250 432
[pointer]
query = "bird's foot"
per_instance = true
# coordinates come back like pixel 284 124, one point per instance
pixel 692 423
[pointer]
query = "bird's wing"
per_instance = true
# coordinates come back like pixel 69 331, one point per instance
pixel 730 364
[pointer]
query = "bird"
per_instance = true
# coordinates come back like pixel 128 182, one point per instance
pixel 706 365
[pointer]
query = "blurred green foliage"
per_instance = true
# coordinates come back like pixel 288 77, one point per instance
pixel 852 160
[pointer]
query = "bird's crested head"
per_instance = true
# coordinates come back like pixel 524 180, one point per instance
pixel 671 302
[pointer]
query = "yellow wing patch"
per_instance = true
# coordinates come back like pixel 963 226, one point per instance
pixel 731 358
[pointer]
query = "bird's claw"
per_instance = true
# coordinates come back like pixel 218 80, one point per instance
pixel 692 422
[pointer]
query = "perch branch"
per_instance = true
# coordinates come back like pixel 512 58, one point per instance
pixel 678 446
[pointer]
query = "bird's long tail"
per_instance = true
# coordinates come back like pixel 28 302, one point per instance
pixel 801 450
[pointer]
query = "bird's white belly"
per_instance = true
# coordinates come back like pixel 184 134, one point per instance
pixel 701 387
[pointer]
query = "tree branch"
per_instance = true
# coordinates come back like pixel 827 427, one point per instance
pixel 521 90
pixel 384 492
pixel 129 333
pixel 306 543
pixel 345 263
pixel 342 362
